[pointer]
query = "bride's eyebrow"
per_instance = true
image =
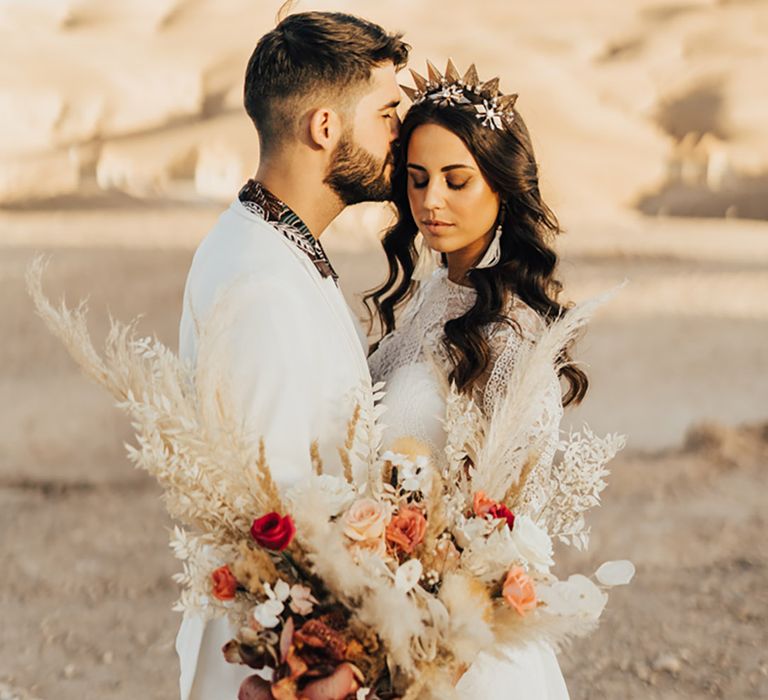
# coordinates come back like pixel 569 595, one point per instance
pixel 455 166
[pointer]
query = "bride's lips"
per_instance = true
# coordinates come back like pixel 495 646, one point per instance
pixel 435 226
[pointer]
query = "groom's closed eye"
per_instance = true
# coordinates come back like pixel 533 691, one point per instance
pixel 390 109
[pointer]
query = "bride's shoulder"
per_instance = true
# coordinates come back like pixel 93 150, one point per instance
pixel 520 321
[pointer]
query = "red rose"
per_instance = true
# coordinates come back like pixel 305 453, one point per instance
pixel 273 531
pixel 224 583
pixel 502 512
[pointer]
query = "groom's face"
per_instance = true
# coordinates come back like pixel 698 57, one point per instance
pixel 360 169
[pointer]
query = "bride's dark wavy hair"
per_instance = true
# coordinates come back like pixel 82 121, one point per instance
pixel 528 262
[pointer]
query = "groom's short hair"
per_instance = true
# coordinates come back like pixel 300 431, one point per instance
pixel 312 54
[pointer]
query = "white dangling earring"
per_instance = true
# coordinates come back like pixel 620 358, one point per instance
pixel 493 254
pixel 427 261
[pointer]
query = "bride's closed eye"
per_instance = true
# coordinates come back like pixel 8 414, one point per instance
pixel 421 184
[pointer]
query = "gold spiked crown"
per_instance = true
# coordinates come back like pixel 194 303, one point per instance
pixel 492 107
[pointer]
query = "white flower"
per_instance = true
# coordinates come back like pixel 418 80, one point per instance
pixel 302 600
pixel 410 471
pixel 409 474
pixel 334 493
pixel 362 693
pixel 267 613
pixel 533 543
pixel 408 575
pixel 265 672
pixel 489 557
pixel 577 596
pixel 615 573
pixel 469 530
pixel 281 591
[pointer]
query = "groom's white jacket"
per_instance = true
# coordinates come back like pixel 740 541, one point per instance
pixel 293 354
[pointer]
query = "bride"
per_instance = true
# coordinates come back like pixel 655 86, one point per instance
pixel 467 193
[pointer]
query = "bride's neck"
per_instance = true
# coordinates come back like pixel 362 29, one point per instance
pixel 461 261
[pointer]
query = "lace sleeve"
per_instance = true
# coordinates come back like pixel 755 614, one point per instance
pixel 506 341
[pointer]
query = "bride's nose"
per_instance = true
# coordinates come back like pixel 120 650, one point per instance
pixel 433 196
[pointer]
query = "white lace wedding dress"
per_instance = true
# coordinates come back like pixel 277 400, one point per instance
pixel 409 360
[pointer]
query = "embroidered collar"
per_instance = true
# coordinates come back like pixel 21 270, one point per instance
pixel 260 201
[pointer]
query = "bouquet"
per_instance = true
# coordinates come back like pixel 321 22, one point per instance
pixel 382 576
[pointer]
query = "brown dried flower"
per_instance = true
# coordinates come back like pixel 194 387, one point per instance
pixel 253 568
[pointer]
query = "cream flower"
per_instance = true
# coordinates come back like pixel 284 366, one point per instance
pixel 533 543
pixel 267 613
pixel 280 592
pixel 302 600
pixel 615 573
pixel 412 470
pixel 470 530
pixel 376 547
pixel 366 519
pixel 408 575
pixel 490 557
pixel 576 596
pixel 331 493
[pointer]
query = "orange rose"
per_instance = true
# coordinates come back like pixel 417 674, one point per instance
pixel 224 583
pixel 518 590
pixel 482 504
pixel 407 529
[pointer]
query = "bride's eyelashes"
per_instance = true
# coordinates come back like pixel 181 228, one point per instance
pixel 420 185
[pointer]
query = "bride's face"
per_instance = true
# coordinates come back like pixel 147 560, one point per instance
pixel 451 202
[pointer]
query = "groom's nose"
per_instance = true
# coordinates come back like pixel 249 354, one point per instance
pixel 395 130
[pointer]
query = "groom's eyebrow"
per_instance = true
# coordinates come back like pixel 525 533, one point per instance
pixel 390 105
pixel 455 166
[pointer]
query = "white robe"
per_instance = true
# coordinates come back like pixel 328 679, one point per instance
pixel 295 355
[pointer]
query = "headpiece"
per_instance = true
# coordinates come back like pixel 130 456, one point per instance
pixel 493 108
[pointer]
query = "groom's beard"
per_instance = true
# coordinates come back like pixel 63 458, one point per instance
pixel 356 175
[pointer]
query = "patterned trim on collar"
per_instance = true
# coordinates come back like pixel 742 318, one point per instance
pixel 260 201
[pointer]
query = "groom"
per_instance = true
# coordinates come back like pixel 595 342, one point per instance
pixel 321 91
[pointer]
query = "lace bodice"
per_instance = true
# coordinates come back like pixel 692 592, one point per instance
pixel 414 364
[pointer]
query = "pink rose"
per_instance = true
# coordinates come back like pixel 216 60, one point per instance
pixel 365 520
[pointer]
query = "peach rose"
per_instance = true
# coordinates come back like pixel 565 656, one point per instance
pixel 518 590
pixel 482 504
pixel 365 520
pixel 407 529
pixel 377 547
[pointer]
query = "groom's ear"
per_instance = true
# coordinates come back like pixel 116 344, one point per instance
pixel 325 128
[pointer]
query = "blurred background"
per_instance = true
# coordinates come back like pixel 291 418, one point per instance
pixel 122 137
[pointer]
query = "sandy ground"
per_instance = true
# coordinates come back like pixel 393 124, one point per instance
pixel 85 589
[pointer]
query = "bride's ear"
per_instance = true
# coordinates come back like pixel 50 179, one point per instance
pixel 325 128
